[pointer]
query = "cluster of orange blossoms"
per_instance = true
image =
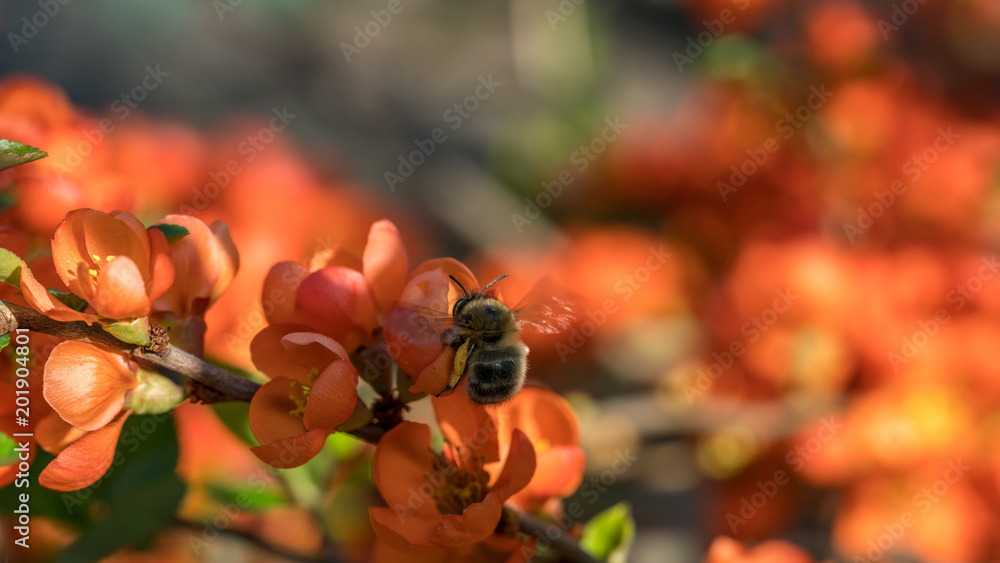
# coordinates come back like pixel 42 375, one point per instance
pixel 326 316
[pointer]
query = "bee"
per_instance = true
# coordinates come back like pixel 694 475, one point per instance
pixel 486 336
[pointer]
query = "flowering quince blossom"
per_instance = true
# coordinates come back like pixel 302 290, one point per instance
pixel 108 259
pixel 336 298
pixel 93 392
pixel 204 261
pixel 444 499
pixel 412 339
pixel 551 425
pixel 313 390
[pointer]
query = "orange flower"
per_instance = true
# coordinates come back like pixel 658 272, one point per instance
pixel 335 298
pixel 111 261
pixel 412 338
pixel 204 261
pixel 551 425
pixel 312 392
pixel 93 392
pixel 441 500
pixel 543 416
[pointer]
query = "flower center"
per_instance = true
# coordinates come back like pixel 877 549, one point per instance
pixel 300 394
pixel 464 484
pixel 97 263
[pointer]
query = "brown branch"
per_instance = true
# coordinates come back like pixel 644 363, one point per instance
pixel 233 386
pixel 564 543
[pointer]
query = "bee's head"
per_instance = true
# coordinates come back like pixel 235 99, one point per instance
pixel 466 296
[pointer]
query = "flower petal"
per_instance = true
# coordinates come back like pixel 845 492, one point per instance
pixel 69 248
pixel 280 287
pixel 434 378
pixel 42 301
pixel 54 434
pixel 86 385
pixel 199 260
pixel 430 285
pixel 161 267
pixel 402 530
pixel 518 468
pixel 543 415
pixel 468 425
pixel 338 302
pixel 412 340
pixel 401 460
pixel 292 451
pixel 477 522
pixel 269 412
pixel 333 396
pixel 312 349
pixel 270 355
pixel 558 474
pixel 385 263
pixel 85 461
pixel 121 291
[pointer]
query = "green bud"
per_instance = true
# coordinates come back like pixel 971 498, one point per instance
pixel 155 394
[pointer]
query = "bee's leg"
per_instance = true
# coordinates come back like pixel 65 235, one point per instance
pixel 461 358
pixel 451 337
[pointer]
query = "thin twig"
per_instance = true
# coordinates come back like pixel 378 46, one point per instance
pixel 553 534
pixel 235 387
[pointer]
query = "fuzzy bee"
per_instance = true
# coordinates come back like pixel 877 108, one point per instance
pixel 486 336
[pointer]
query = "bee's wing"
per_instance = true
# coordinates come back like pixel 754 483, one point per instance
pixel 439 320
pixel 546 309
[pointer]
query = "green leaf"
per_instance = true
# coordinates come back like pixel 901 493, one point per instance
pixel 10 268
pixel 134 332
pixel 246 498
pixel 4 341
pixel 7 444
pixel 13 153
pixel 70 300
pixel 138 497
pixel 609 535
pixel 172 232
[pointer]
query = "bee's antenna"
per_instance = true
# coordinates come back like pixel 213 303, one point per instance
pixel 459 284
pixel 494 281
